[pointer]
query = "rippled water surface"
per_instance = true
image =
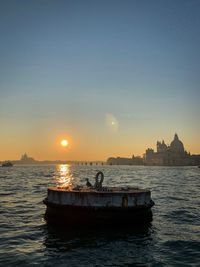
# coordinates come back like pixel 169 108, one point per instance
pixel 172 239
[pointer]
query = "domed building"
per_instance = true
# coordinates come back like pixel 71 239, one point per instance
pixel 172 155
pixel 26 160
pixel 176 145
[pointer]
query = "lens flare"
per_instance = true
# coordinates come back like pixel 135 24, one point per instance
pixel 112 123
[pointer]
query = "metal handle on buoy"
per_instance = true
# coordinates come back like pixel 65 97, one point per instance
pixel 98 184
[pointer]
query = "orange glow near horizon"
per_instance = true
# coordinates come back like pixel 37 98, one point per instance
pixel 90 145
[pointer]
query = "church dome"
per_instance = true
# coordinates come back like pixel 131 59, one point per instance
pixel 176 145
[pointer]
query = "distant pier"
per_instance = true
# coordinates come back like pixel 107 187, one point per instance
pixel 90 163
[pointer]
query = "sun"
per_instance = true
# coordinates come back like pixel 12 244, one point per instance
pixel 64 143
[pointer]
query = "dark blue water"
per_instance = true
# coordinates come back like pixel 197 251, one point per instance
pixel 172 239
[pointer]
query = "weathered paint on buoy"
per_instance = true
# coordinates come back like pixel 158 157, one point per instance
pixel 108 205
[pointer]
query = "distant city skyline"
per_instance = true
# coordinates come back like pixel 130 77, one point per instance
pixel 110 77
pixel 137 158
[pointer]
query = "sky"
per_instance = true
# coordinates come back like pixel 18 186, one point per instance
pixel 111 77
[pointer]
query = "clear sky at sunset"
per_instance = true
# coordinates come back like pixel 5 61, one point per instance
pixel 111 77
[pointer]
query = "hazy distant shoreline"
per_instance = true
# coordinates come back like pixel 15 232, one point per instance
pixel 37 162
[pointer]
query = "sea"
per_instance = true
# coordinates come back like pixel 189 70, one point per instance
pixel 171 239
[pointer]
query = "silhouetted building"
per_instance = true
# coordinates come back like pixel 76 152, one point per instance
pixel 25 159
pixel 125 161
pixel 172 155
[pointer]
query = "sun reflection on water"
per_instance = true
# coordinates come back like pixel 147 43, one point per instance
pixel 64 176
